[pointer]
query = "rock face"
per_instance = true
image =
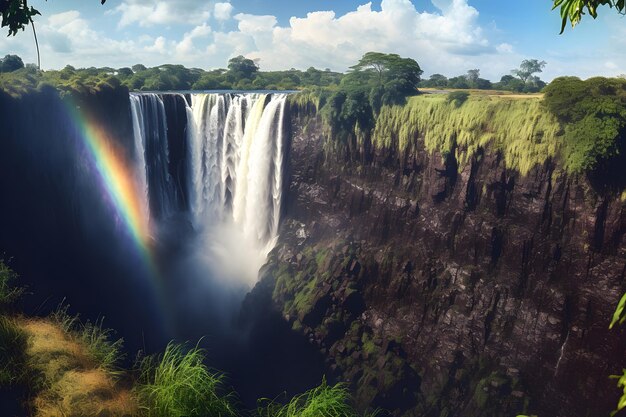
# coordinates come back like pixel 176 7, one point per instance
pixel 444 291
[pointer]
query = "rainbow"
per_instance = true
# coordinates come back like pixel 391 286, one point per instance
pixel 117 179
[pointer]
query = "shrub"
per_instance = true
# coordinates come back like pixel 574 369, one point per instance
pixel 457 97
pixel 593 113
pixel 178 384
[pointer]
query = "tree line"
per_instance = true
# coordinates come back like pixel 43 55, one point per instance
pixel 522 79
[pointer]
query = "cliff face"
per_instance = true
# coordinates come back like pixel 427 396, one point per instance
pixel 445 289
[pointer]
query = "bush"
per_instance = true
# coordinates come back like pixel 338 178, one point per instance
pixel 178 384
pixel 593 113
pixel 457 97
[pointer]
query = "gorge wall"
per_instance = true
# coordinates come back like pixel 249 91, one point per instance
pixel 441 287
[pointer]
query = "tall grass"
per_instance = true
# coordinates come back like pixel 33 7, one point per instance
pixel 102 347
pixel 178 384
pixel 8 292
pixel 521 129
pixel 323 401
pixel 12 351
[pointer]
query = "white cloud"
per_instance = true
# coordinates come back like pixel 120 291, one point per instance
pixel 438 41
pixel 186 46
pixel 505 48
pixel 162 12
pixel 448 41
pixel 222 11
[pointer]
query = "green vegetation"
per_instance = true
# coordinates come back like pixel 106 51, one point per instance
pixel 12 351
pixel 574 10
pixel 11 63
pixel 323 401
pixel 593 113
pixel 521 79
pixel 457 97
pixel 9 293
pixel 241 75
pixel 178 384
pixel 524 133
pixel 17 14
pixel 103 350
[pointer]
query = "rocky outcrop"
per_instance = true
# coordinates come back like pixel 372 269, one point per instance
pixel 439 290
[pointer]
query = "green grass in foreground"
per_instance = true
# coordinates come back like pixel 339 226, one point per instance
pixel 323 401
pixel 178 384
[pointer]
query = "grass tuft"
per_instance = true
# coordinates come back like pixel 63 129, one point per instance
pixel 8 292
pixel 323 401
pixel 178 384
pixel 102 348
pixel 13 342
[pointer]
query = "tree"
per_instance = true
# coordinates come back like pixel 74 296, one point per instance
pixel 472 76
pixel 390 66
pixel 458 82
pixel 242 67
pixel 527 68
pixel 125 72
pixel 11 63
pixel 438 80
pixel 573 10
pixel 138 67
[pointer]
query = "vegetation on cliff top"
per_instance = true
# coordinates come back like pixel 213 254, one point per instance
pixel 521 129
pixel 583 123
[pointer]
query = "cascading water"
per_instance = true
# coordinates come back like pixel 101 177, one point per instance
pixel 234 167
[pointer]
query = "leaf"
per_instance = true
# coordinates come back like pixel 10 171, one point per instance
pixel 618 316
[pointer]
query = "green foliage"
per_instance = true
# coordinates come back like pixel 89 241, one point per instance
pixel 527 68
pixel 103 349
pixel 323 401
pixel 457 97
pixel 16 14
pixel 162 78
pixel 178 384
pixel 621 383
pixel 11 63
pixel 8 292
pixel 241 67
pixel 594 115
pixel 619 316
pixel 574 10
pixel 530 83
pixel 12 351
pixel 521 129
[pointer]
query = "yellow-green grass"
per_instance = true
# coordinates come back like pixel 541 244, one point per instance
pixel 69 380
pixel 522 130
pixel 322 401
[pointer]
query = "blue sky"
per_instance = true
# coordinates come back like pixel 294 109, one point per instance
pixel 444 36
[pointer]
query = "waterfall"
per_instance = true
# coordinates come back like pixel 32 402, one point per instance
pixel 233 164
pixel 152 153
